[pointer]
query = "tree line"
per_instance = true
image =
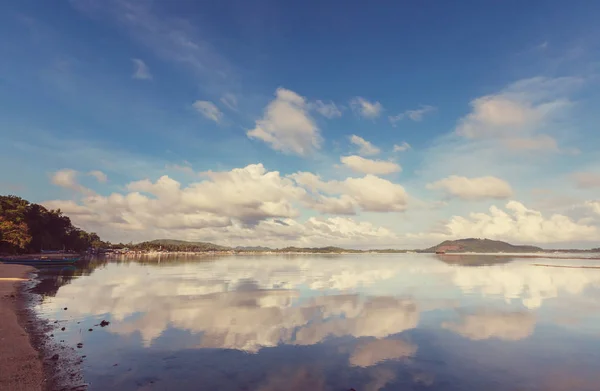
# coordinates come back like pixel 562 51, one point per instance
pixel 26 227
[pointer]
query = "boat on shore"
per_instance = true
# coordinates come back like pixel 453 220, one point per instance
pixel 42 259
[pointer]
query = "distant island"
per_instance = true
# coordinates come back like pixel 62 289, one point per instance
pixel 481 246
pixel 27 227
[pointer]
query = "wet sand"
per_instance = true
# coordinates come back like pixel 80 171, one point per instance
pixel 20 366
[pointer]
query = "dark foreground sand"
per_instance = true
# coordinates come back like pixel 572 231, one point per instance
pixel 20 365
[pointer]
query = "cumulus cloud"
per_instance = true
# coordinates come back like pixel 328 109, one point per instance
pixel 316 231
pixel 368 166
pixel 329 110
pixel 247 205
pixel 141 70
pixel 208 110
pixel 370 193
pixel 366 109
pixel 517 224
pixel 287 125
pixel 509 326
pixel 594 206
pixel 366 148
pixel 516 114
pixel 586 180
pixel 473 188
pixel 414 115
pixel 402 147
pixel 67 178
pixel 99 175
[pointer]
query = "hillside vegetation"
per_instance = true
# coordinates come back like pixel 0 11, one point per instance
pixel 28 227
pixel 177 245
pixel 481 246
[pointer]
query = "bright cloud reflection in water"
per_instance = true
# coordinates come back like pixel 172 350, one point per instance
pixel 348 320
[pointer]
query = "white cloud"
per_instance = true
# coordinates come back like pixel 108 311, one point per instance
pixel 366 109
pixel 366 148
pixel 247 194
pixel 535 143
pixel 208 110
pixel 368 166
pixel 67 178
pixel 473 188
pixel 516 114
pixel 230 100
pixel 141 70
pixel 594 206
pixel 402 147
pixel 329 110
pixel 247 205
pixel 99 175
pixel 286 125
pixel 517 224
pixel 509 326
pixel 586 180
pixel 414 115
pixel 494 115
pixel 370 193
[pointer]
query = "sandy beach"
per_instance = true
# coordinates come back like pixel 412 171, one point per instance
pixel 20 365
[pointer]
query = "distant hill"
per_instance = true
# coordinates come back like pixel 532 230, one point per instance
pixel 480 246
pixel 252 248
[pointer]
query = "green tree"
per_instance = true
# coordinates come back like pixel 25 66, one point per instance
pixel 28 227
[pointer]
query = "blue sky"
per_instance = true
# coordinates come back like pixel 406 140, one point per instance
pixel 247 112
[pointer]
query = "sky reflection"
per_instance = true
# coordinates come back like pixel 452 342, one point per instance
pixel 330 322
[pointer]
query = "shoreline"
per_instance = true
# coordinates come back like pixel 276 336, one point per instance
pixel 30 360
pixel 21 366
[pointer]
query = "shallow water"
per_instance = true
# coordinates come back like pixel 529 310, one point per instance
pixel 368 322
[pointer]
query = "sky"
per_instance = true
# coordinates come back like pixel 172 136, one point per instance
pixel 306 123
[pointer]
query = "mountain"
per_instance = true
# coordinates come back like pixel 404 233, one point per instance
pixel 481 246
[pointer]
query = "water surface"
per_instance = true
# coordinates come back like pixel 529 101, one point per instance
pixel 368 321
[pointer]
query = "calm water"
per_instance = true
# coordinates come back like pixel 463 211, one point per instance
pixel 368 322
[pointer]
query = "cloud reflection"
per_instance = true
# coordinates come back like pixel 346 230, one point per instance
pixel 233 313
pixel 251 302
pixel 370 353
pixel 510 326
